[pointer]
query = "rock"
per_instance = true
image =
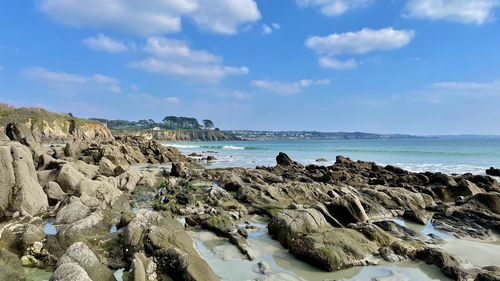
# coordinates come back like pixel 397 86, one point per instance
pixel 333 249
pixel 54 193
pixel 128 181
pixel 106 167
pixel 143 268
pixel 284 160
pixel 448 265
pixel 465 188
pixel 21 133
pixel 264 267
pixel 32 234
pixel 69 178
pixel 3 136
pixel 72 212
pixel 29 261
pixel 489 201
pixel 120 170
pixel 322 160
pixel 88 170
pixel 19 187
pixel 179 170
pixel 176 256
pixel 347 209
pixel 80 255
pixel 419 217
pixel 10 267
pixel 220 224
pixel 70 272
pixel 493 172
pixel 287 225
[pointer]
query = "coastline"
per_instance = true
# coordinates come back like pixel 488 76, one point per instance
pixel 119 201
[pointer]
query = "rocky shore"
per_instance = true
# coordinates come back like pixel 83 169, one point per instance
pixel 93 207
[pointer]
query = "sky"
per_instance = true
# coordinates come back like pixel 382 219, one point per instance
pixel 421 67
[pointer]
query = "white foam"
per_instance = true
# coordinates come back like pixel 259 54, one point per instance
pixel 233 147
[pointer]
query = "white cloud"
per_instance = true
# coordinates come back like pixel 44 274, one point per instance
pixel 225 16
pixel 334 7
pixel 153 16
pixel 287 88
pixel 166 48
pixel 462 11
pixel 71 81
pixel 268 29
pixel 333 63
pixel 360 42
pixel 101 42
pixel 175 58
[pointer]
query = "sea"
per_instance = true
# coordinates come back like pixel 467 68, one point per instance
pixel 451 155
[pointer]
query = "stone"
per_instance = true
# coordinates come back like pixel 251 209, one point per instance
pixel 23 134
pixel 54 193
pixel 347 209
pixel 72 212
pixel 80 255
pixel 19 187
pixel 10 267
pixel 493 172
pixel 143 268
pixel 284 160
pixel 106 167
pixel 70 272
pixel 69 178
pixel 179 170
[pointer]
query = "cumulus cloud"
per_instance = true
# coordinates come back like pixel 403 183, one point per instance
pixel 154 16
pixel 287 88
pixel 268 29
pixel 101 42
pixel 225 16
pixel 71 81
pixel 360 42
pixel 175 58
pixel 462 11
pixel 334 7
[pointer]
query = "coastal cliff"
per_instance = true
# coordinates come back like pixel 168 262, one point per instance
pixel 54 127
pixel 181 135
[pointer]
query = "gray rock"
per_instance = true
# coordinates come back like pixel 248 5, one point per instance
pixel 179 170
pixel 143 268
pixel 106 167
pixel 23 134
pixel 19 187
pixel 70 272
pixel 79 254
pixel 72 212
pixel 69 178
pixel 54 193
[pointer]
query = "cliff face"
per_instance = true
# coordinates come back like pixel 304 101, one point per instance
pixel 54 127
pixel 183 135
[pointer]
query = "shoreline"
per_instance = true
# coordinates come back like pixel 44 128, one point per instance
pixel 118 202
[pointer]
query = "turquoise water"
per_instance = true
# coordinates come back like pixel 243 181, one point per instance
pixel 455 155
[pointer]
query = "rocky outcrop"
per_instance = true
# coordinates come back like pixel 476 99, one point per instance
pixel 183 135
pixel 19 187
pixel 493 172
pixel 52 127
pixel 10 267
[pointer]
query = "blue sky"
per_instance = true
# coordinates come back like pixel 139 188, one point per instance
pixel 383 66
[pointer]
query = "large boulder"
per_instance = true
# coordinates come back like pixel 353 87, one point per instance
pixel 493 172
pixel 19 187
pixel 72 212
pixel 347 209
pixel 334 249
pixel 70 272
pixel 23 134
pixel 79 254
pixel 290 224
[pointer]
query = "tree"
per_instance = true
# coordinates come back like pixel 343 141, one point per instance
pixel 208 124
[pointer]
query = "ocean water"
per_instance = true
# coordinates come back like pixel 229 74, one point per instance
pixel 450 155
